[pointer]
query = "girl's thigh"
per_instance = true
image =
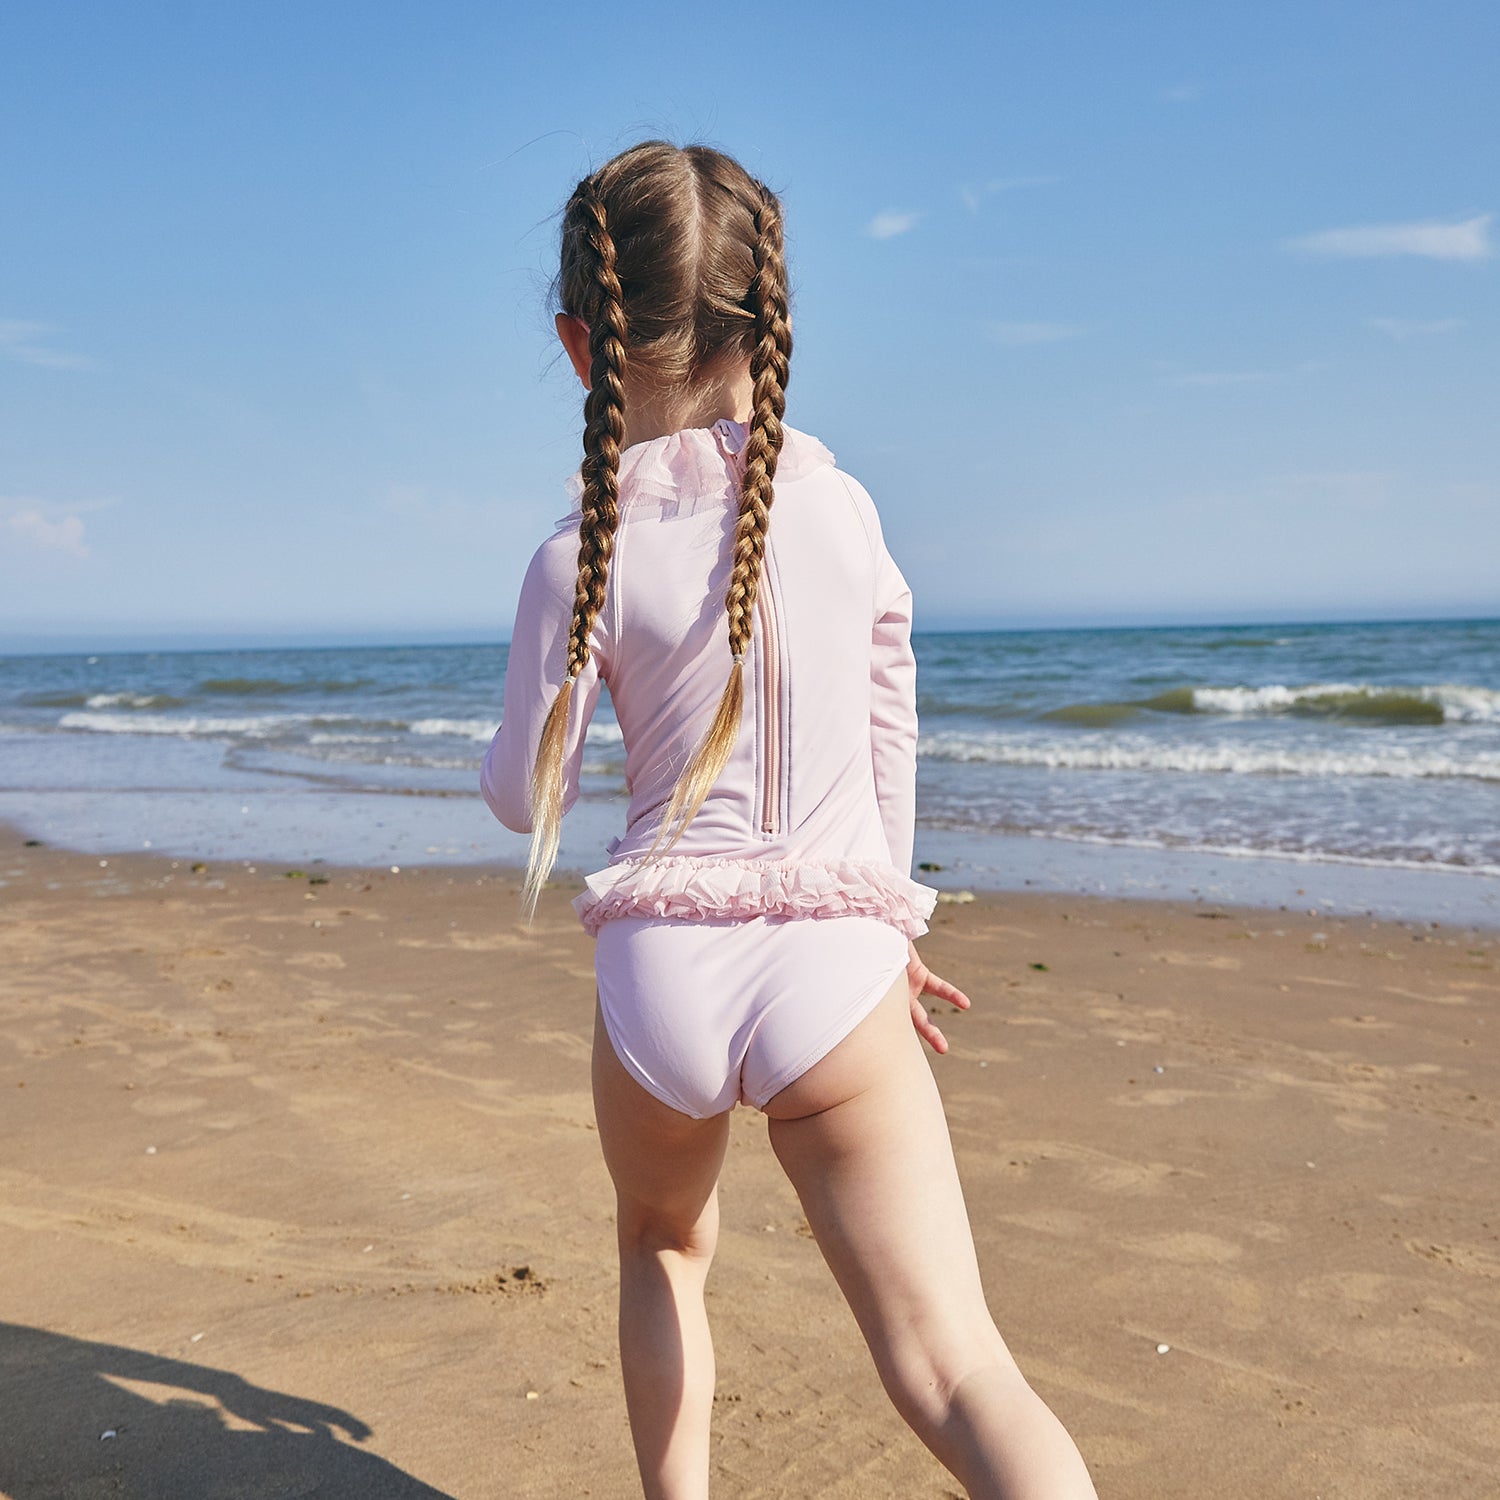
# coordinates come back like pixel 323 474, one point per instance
pixel 863 1138
pixel 664 1164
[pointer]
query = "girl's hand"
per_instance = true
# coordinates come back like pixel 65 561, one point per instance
pixel 922 981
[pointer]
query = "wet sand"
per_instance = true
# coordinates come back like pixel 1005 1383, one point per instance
pixel 299 1194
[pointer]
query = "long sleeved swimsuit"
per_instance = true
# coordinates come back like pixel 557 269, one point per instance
pixel 730 965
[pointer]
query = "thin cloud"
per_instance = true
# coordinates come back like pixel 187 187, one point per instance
pixel 1436 239
pixel 973 196
pixel 1220 377
pixel 890 223
pixel 1208 379
pixel 25 342
pixel 1033 333
pixel 29 526
pixel 1414 328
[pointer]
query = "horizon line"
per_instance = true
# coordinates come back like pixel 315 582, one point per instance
pixel 43 643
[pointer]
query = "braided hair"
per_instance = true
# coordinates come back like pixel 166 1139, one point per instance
pixel 674 258
pixel 604 431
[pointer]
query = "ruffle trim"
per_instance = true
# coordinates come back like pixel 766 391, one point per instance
pixel 678 886
pixel 701 463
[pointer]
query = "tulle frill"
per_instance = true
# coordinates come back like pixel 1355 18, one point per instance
pixel 701 463
pixel 742 888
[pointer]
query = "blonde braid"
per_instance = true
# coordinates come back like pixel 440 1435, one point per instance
pixel 770 369
pixel 604 431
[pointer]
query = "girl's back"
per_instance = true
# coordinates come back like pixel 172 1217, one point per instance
pixel 816 798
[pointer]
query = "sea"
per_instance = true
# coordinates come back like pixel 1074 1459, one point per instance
pixel 1338 767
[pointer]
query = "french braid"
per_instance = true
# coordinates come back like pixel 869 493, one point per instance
pixel 770 368
pixel 673 257
pixel 604 432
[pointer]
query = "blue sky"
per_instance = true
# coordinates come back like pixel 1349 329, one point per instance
pixel 1123 312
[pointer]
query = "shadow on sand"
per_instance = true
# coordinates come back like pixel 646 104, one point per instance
pixel 194 1434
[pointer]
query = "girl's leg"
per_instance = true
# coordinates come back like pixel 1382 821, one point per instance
pixel 665 1167
pixel 863 1138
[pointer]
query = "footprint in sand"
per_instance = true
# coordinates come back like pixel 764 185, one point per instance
pixel 565 1041
pixel 495 942
pixel 316 961
pixel 1098 1169
pixel 1468 1422
pixel 158 1105
pixel 1468 1258
pixel 1185 1248
pixel 1059 1221
pixel 1198 960
pixel 1162 1098
pixel 1113 1451
pixel 1409 1346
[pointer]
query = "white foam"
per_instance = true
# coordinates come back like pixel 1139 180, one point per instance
pixel 253 727
pixel 483 730
pixel 126 700
pixel 459 729
pixel 1139 754
pixel 1460 704
pixel 1467 705
pixel 1271 852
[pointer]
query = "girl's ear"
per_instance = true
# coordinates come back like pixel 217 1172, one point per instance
pixel 574 333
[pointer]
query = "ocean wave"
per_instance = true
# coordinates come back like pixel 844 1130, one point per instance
pixel 483 730
pixel 101 700
pixel 314 729
pixel 133 700
pixel 1444 703
pixel 258 726
pixel 258 687
pixel 1212 759
pixel 53 700
pixel 1245 642
pixel 1450 703
pixel 1454 866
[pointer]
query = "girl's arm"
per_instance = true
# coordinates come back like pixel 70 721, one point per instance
pixel 533 674
pixel 893 747
pixel 893 709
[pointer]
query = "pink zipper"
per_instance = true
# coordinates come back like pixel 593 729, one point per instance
pixel 770 717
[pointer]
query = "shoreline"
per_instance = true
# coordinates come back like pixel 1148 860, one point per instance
pixel 321 1154
pixel 455 830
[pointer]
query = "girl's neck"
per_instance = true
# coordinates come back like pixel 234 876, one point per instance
pixel 711 397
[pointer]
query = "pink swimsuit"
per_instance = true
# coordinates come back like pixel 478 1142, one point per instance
pixel 715 982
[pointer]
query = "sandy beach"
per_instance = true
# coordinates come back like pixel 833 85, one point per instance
pixel 299 1195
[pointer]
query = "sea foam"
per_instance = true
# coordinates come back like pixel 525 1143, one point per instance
pixel 1141 754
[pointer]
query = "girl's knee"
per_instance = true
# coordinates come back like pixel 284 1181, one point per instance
pixel 926 1373
pixel 648 1230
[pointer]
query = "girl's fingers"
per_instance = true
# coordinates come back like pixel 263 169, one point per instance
pixel 945 991
pixel 922 981
pixel 932 985
pixel 925 1027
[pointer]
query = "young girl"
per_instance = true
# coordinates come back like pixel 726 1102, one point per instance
pixel 754 922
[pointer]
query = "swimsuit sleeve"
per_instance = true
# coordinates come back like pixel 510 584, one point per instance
pixel 893 689
pixel 534 672
pixel 893 709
